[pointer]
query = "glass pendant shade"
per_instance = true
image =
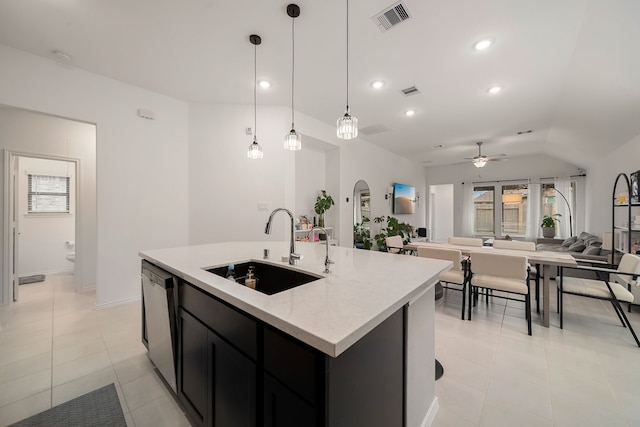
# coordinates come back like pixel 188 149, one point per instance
pixel 293 140
pixel 479 162
pixel 255 150
pixel 347 126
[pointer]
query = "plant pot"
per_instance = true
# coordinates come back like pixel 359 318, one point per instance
pixel 548 232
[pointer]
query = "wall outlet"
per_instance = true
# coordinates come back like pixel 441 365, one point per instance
pixel 263 207
pixel 248 131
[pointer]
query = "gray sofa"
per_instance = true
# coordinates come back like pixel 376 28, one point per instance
pixel 585 247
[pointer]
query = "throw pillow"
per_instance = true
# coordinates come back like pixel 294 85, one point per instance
pixel 591 240
pixel 591 250
pixel 584 235
pixel 578 246
pixel 569 241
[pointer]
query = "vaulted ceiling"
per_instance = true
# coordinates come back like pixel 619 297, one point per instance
pixel 569 70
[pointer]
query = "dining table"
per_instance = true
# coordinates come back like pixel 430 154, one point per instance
pixel 546 260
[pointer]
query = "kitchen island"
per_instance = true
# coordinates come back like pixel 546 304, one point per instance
pixel 354 347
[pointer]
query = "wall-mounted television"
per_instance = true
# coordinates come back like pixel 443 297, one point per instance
pixel 404 199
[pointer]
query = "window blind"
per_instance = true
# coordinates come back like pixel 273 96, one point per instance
pixel 48 194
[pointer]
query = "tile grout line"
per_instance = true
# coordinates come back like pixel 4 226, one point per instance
pixel 52 335
pixel 115 372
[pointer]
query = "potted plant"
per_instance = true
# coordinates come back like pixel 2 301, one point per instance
pixel 323 203
pixel 549 225
pixel 393 228
pixel 362 234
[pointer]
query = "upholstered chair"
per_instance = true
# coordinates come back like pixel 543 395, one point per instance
pixel 506 273
pixel 394 244
pixel 533 270
pixel 457 275
pixel 612 286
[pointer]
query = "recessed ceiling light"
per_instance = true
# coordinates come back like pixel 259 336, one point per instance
pixel 483 44
pixel 377 84
pixel 494 89
pixel 410 113
pixel 264 84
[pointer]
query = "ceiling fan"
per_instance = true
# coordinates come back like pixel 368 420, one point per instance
pixel 480 161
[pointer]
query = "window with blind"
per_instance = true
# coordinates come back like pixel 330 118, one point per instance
pixel 48 194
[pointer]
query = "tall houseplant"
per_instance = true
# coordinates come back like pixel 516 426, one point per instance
pixel 323 203
pixel 549 225
pixel 393 228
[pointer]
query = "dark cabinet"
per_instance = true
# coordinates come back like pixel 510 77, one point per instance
pixel 216 383
pixel 233 387
pixel 235 371
pixel 193 368
pixel 284 408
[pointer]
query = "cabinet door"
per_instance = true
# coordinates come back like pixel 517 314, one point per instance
pixel 233 385
pixel 283 408
pixel 193 368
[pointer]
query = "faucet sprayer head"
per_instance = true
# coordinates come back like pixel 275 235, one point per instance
pixel 267 229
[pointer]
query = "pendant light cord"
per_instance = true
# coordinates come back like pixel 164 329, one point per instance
pixel 255 96
pixel 293 66
pixel 347 56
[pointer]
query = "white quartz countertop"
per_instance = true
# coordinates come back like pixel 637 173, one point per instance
pixel 330 314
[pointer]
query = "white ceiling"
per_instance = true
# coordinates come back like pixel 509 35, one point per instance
pixel 570 69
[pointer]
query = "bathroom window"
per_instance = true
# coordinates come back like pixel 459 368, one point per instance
pixel 48 194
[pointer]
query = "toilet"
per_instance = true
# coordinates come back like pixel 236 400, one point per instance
pixel 71 256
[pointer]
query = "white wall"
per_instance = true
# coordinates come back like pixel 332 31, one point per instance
pixel 43 238
pixel 225 187
pixel 534 167
pixel 310 167
pixel 600 180
pixel 141 164
pixel 379 168
pixel 40 134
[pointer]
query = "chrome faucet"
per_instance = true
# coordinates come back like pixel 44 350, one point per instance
pixel 327 261
pixel 293 256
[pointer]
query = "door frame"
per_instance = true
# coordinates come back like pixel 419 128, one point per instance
pixel 10 259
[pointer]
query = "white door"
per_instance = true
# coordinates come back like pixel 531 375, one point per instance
pixel 14 226
pixel 441 212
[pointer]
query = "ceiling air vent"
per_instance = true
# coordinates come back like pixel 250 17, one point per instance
pixel 375 129
pixel 410 91
pixel 391 16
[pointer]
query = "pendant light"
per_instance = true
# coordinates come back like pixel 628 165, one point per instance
pixel 293 140
pixel 255 150
pixel 347 125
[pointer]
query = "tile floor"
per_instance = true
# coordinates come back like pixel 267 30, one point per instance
pixel 55 345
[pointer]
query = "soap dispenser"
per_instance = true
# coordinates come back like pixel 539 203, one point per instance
pixel 250 280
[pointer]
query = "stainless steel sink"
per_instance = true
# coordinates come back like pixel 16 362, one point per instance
pixel 271 279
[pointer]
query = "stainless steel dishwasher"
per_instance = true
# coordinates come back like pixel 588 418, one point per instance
pixel 159 319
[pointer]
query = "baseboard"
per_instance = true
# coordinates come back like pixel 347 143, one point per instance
pixel 431 413
pixel 119 302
